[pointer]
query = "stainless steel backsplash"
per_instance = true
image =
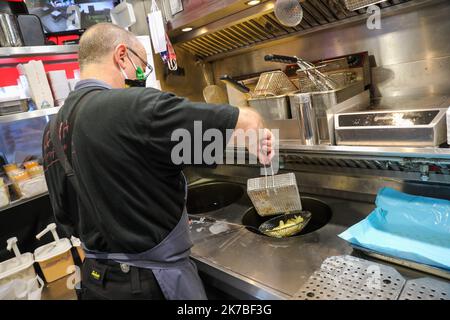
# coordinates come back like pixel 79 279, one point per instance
pixel 410 54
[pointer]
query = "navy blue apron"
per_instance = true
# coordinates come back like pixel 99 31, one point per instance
pixel 169 260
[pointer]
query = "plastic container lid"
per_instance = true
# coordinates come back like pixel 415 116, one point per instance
pixel 75 241
pixel 16 265
pixel 52 249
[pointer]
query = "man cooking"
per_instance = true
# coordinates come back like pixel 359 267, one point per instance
pixel 111 179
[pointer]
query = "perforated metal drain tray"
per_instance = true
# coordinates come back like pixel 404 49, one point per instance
pixel 350 278
pixel 425 289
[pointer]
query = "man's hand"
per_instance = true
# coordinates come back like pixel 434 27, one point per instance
pixel 265 149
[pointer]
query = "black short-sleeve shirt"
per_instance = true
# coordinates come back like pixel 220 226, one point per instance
pixel 121 154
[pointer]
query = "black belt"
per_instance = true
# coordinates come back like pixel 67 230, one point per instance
pixel 97 273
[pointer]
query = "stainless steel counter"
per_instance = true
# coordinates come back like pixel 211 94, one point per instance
pixel 247 265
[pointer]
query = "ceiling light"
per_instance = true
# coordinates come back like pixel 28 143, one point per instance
pixel 253 2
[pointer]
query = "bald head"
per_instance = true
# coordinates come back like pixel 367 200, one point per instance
pixel 99 42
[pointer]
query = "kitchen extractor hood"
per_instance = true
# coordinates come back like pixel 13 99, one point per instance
pixel 220 31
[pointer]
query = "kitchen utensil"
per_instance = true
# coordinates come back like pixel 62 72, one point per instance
pixel 19 267
pixel 407 128
pixel 279 196
pixel 54 258
pixel 333 64
pixel 273 83
pixel 305 112
pixel 9 31
pixel 342 79
pixel 267 227
pixel 289 12
pixel 318 78
pixel 272 107
pixel 316 122
pixel 237 85
pixel 354 5
pixel 212 93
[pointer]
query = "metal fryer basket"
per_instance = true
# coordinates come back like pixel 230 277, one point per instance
pixel 273 83
pixel 279 196
pixel 342 79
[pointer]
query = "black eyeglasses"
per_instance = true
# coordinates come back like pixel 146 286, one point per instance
pixel 149 67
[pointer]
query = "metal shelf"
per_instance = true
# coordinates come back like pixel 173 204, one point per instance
pixel 29 115
pixel 8 52
pixel 375 152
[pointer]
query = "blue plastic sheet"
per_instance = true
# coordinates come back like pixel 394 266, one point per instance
pixel 406 226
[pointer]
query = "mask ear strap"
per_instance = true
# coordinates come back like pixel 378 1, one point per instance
pixel 132 62
pixel 123 73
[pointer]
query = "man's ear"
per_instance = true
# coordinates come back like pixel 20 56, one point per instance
pixel 120 54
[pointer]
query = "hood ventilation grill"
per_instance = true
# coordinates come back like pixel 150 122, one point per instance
pixel 317 14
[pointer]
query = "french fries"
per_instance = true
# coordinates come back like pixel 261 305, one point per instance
pixel 289 223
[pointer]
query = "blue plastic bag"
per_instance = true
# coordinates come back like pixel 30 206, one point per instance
pixel 406 226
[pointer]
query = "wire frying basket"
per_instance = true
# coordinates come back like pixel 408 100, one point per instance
pixel 274 83
pixel 279 197
pixel 341 79
pixel 312 72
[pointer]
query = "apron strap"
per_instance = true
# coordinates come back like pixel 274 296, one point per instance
pixel 59 149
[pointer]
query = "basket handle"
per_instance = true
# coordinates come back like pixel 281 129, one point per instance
pixel 280 58
pixel 235 84
pixel 273 178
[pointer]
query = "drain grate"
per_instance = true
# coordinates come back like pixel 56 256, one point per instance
pixel 426 289
pixel 350 278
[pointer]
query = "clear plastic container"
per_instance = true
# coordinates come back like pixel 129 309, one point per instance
pixel 4 194
pixel 30 164
pixel 20 267
pixel 35 171
pixel 33 187
pixel 17 176
pixel 10 167
pixel 17 268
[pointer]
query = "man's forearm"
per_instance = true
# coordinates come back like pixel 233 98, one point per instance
pixel 248 129
pixel 249 119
